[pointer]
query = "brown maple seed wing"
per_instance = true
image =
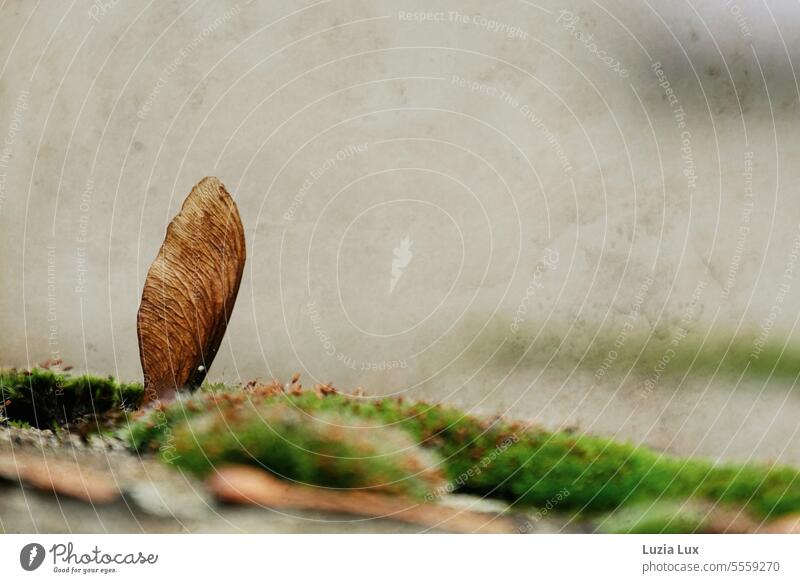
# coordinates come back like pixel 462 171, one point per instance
pixel 190 290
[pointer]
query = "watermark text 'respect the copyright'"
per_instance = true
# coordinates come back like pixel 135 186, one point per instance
pixel 494 26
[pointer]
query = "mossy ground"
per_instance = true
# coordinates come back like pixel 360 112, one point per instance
pixel 670 350
pixel 325 438
pixel 48 400
pixel 330 449
pixel 659 518
pixel 524 465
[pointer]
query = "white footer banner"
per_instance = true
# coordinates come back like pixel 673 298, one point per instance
pixel 424 558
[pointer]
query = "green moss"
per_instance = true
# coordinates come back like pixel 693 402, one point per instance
pixel 658 518
pixel 45 399
pixel 610 351
pixel 327 449
pixel 524 465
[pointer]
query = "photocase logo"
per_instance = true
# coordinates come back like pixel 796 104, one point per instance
pixel 31 556
pixel 402 257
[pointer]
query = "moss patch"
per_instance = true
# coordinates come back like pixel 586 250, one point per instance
pixel 611 351
pixel 658 518
pixel 522 464
pixel 327 449
pixel 48 400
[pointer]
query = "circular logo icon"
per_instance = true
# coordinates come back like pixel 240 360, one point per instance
pixel 31 556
